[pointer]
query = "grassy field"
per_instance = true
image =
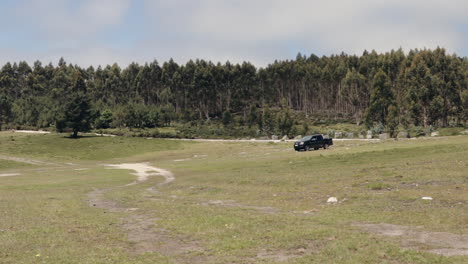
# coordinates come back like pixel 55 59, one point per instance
pixel 246 202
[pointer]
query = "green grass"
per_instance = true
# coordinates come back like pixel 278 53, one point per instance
pixel 7 164
pixel 61 147
pixel 45 210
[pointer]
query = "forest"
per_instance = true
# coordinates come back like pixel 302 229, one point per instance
pixel 393 90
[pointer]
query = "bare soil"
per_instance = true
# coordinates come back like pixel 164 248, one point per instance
pixel 9 174
pixel 442 243
pixel 232 203
pixel 25 160
pixel 141 228
pixel 144 170
pixel 32 131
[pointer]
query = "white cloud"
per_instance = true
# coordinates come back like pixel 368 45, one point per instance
pixel 259 31
pixel 69 19
pixel 271 26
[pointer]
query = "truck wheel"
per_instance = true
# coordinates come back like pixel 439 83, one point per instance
pixel 306 148
pixel 325 146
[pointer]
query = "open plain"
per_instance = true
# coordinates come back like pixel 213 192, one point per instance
pixel 135 200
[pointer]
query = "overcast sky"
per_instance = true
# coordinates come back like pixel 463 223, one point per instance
pixel 100 32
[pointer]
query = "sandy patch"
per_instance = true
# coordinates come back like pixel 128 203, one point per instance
pixel 193 157
pixel 31 131
pixel 144 170
pixel 180 160
pixel 9 174
pixel 442 243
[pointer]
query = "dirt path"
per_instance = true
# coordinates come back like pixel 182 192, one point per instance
pixel 442 243
pixel 142 228
pixel 31 131
pixel 9 174
pixel 25 160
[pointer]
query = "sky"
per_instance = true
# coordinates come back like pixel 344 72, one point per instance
pixel 101 32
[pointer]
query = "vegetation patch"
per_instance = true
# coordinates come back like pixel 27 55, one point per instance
pixel 230 202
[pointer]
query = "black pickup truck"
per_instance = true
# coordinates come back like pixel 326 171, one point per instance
pixel 312 142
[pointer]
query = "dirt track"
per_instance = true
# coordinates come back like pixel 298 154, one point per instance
pixel 25 160
pixel 142 228
pixel 442 243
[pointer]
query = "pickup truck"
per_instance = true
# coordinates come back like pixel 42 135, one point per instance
pixel 313 142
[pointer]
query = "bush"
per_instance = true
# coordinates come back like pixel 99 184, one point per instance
pixel 104 120
pixel 450 131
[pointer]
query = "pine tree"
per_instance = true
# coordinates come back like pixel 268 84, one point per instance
pixel 77 114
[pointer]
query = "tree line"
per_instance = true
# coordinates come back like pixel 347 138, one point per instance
pixel 421 87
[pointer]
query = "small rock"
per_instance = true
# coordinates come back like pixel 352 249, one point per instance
pixel 332 200
pixel 274 137
pixel 338 134
pixel 369 134
pixel 427 198
pixel 285 137
pixel 301 250
pixel 350 135
pixel 435 134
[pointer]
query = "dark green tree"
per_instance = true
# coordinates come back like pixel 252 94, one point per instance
pixel 77 114
pixel 5 110
pixel 285 119
pixel 380 100
pixel 427 87
pixel 227 118
pixel 267 122
pixel 392 121
pixel 355 92
pixel 253 116
pixel 104 120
